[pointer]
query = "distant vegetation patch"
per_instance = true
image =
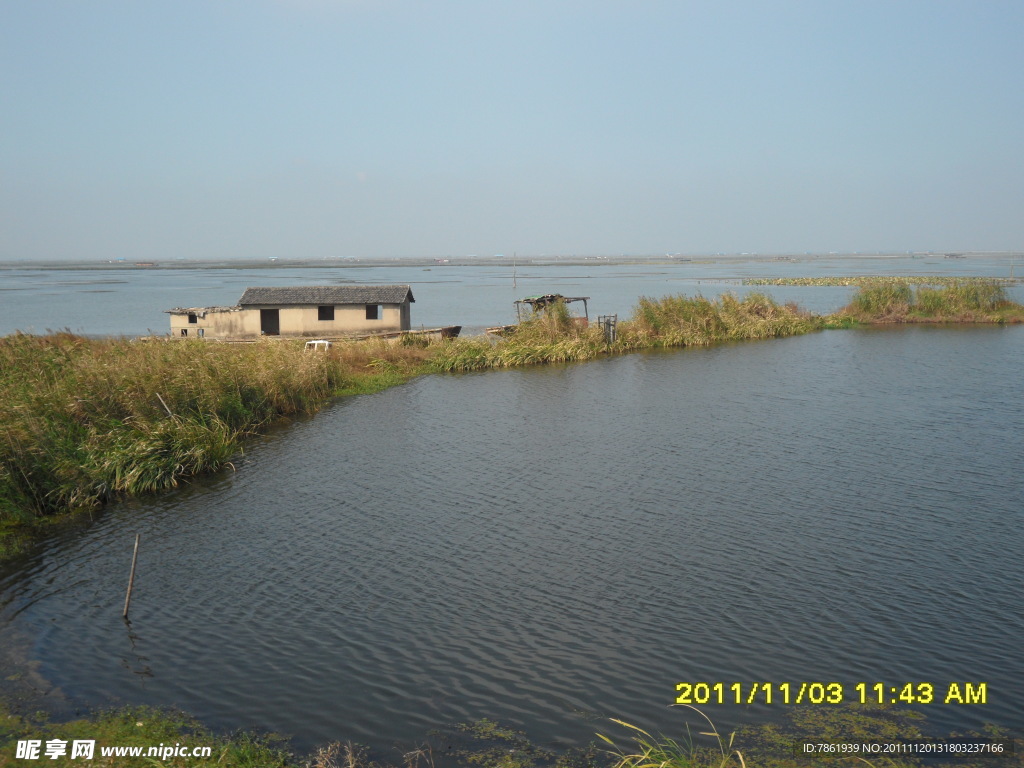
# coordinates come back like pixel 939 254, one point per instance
pixel 960 302
pixel 874 280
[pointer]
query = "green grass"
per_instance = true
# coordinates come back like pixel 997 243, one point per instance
pixel 488 744
pixel 141 727
pixel 647 751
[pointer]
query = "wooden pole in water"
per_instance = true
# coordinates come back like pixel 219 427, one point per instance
pixel 131 579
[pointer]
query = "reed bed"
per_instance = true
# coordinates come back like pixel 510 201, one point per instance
pixel 85 420
pixel 876 279
pixel 883 299
pixel 958 301
pixel 682 321
pixel 552 336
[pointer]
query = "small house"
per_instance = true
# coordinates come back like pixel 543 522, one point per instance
pixel 307 311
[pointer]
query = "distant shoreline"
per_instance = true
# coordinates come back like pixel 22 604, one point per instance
pixel 486 261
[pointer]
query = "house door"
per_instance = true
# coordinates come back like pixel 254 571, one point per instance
pixel 270 322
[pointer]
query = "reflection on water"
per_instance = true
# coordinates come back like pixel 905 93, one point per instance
pixel 554 545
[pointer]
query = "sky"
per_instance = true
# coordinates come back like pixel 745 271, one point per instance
pixel 221 129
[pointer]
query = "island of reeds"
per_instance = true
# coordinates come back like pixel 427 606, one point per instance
pixel 976 301
pixel 84 421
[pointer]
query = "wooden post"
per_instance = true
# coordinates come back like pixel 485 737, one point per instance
pixel 131 579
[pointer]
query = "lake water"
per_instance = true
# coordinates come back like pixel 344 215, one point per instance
pixel 549 547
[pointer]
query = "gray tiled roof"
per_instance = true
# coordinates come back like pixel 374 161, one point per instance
pixel 328 294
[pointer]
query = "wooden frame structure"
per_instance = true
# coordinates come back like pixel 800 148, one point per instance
pixel 538 303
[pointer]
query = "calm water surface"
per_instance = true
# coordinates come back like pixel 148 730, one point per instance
pixel 552 546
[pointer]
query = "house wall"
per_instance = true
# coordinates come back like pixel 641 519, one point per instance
pixel 294 321
pixel 302 321
pixel 217 325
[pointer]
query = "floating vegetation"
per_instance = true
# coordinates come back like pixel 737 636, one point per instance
pixel 872 280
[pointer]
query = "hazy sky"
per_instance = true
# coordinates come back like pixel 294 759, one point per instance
pixel 320 128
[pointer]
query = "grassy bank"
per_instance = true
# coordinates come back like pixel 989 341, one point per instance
pixel 696 743
pixel 83 421
pixel 140 727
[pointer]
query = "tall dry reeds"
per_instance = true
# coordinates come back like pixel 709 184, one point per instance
pixel 883 299
pixel 954 301
pixel 82 420
pixel 552 336
pixel 676 321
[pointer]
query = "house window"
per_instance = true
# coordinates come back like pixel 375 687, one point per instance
pixel 200 332
pixel 373 311
pixel 184 331
pixel 192 318
pixel 325 313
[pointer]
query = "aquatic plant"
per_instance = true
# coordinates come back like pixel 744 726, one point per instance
pixel 882 299
pixel 960 297
pixel 956 301
pixel 696 321
pixel 85 420
pixel 672 321
pixel 665 752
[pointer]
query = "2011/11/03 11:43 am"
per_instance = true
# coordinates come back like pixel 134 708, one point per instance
pixel 831 693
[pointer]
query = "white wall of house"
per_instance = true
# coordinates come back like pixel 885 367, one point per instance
pixel 304 321
pixel 299 321
pixel 216 324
